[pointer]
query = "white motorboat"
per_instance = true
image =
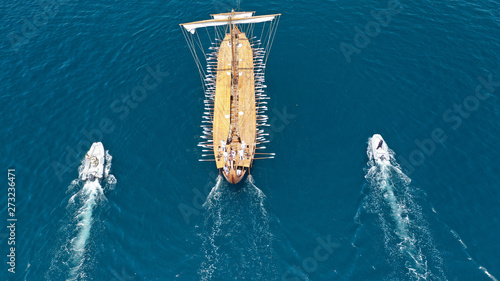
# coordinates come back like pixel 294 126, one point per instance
pixel 94 163
pixel 380 150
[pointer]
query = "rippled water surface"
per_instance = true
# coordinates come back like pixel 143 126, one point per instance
pixel 425 75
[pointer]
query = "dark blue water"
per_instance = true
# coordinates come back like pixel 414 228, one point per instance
pixel 427 79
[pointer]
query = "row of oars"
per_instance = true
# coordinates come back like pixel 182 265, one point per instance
pixel 207 122
pixel 260 99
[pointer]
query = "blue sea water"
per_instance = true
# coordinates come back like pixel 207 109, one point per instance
pixel 427 79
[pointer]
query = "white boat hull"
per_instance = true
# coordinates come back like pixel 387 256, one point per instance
pixel 93 168
pixel 380 150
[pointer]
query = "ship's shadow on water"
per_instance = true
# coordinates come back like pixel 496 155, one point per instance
pixel 236 235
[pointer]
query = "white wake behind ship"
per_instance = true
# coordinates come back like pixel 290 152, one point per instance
pixel 380 150
pixel 93 167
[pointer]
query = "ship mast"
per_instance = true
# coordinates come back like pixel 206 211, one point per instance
pixel 233 63
pixel 234 78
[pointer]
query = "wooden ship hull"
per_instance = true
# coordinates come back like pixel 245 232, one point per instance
pixel 234 90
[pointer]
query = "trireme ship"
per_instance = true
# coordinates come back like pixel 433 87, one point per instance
pixel 232 71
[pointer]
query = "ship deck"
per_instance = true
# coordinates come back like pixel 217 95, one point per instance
pixel 240 110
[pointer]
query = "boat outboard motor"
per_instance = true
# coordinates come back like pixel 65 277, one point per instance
pixel 91 177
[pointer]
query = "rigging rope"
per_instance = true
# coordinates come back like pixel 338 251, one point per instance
pixel 265 42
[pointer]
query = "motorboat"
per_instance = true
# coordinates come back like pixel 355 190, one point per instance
pixel 93 168
pixel 380 150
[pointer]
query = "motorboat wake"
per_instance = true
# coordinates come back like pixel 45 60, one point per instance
pixel 75 257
